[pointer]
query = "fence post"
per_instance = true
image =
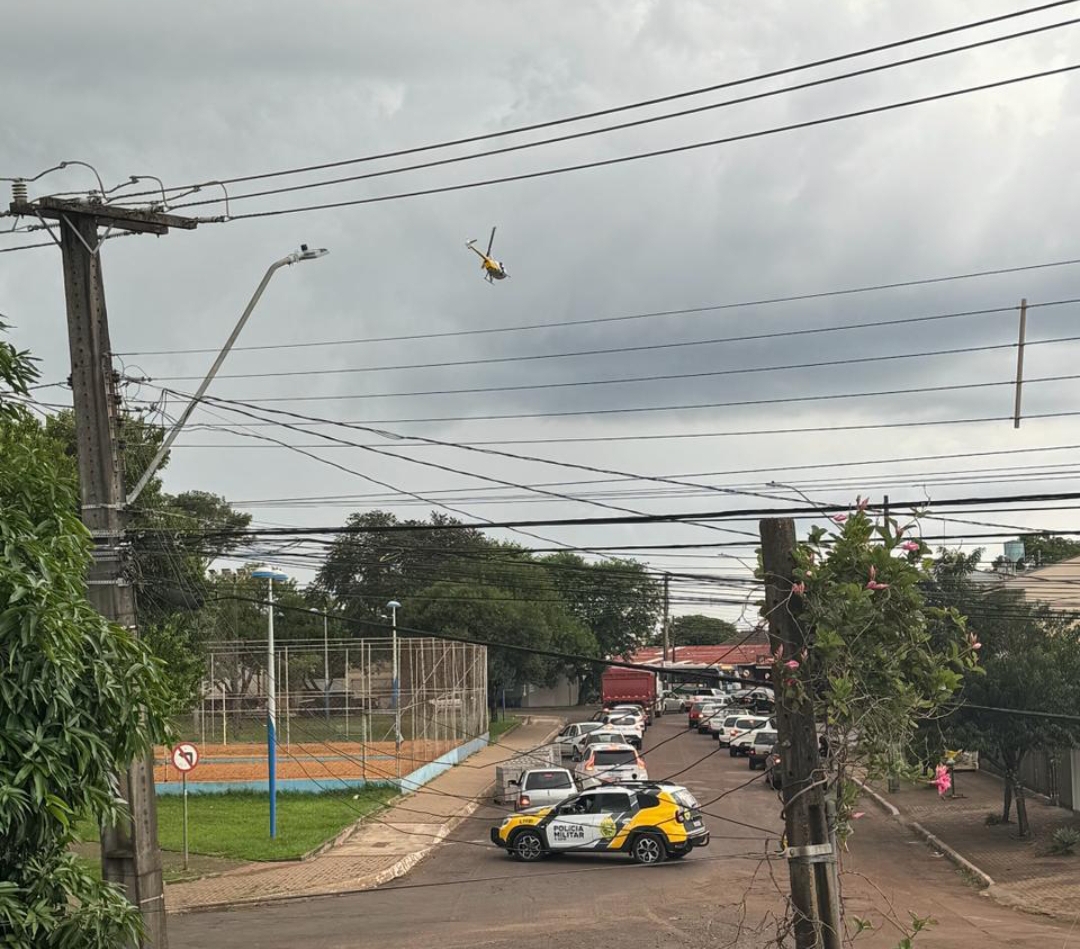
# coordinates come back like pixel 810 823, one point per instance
pixel 288 705
pixel 347 691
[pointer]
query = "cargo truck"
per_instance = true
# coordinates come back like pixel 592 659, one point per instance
pixel 620 686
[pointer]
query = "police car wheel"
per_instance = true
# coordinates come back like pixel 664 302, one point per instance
pixel 648 849
pixel 528 846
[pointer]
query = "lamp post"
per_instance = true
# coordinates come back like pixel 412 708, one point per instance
pixel 395 682
pixel 304 253
pixel 271 693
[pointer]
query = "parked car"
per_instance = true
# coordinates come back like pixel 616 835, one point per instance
pixel 710 712
pixel 743 734
pixel 650 822
pixel 610 764
pixel 729 722
pixel 572 735
pixel 630 727
pixel 635 708
pixel 739 724
pixel 602 736
pixel 543 787
pixel 624 711
pixel 694 715
pixel 761 747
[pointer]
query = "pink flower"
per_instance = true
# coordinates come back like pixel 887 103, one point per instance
pixel 838 518
pixel 778 652
pixel 792 664
pixel 798 588
pixel 858 814
pixel 942 779
pixel 873 584
pixel 973 641
pixel 910 546
pixel 790 682
pixel 899 532
pixel 862 503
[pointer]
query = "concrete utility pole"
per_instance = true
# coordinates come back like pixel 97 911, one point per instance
pixel 129 853
pixel 811 849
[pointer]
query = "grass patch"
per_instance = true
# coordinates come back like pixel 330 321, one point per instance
pixel 236 825
pixel 499 728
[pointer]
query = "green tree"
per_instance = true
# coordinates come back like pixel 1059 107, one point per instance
pixel 1030 657
pixel 617 600
pixel 527 613
pixel 696 629
pixel 882 658
pixel 170 554
pixel 364 571
pixel 80 699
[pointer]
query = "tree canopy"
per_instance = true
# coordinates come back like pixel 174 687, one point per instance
pixel 80 698
pixel 697 629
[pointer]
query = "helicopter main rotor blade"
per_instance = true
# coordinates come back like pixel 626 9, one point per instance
pixel 491 241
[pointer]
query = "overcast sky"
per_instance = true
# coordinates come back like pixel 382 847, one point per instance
pixel 210 91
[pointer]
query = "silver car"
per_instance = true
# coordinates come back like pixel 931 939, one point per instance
pixel 543 787
pixel 571 737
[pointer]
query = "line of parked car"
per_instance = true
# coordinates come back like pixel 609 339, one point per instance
pixel 607 802
pixel 743 723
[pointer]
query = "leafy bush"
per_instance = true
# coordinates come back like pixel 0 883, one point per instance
pixel 1064 840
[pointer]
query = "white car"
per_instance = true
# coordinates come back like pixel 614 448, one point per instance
pixel 709 711
pixel 741 736
pixel 630 727
pixel 610 764
pixel 571 737
pixel 626 711
pixel 739 723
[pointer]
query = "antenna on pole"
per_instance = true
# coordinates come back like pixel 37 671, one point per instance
pixel 1020 362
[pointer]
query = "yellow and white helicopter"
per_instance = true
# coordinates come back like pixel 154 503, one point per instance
pixel 493 269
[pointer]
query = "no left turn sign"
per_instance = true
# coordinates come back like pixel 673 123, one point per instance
pixel 185 756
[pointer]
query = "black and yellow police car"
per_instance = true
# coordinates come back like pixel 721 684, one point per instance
pixel 649 821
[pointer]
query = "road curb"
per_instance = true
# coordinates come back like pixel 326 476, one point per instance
pixel 954 855
pixel 374 880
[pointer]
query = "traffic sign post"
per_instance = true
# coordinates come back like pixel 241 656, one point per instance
pixel 185 757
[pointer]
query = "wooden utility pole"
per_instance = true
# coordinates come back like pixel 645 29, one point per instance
pixel 129 853
pixel 811 848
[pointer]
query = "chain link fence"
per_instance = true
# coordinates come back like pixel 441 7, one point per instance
pixel 340 713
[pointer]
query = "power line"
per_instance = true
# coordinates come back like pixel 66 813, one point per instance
pixel 615 350
pixel 676 149
pixel 662 518
pixel 682 407
pixel 633 123
pixel 737 471
pixel 641 103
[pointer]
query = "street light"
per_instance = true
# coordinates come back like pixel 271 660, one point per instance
pixel 271 693
pixel 304 253
pixel 395 683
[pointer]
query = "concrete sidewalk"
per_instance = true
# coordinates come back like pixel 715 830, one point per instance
pixel 1023 872
pixel 380 848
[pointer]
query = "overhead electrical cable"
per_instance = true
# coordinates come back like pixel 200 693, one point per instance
pixel 617 350
pixel 656 314
pixel 655 153
pixel 233 198
pixel 638 104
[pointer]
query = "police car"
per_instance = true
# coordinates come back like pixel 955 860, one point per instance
pixel 649 821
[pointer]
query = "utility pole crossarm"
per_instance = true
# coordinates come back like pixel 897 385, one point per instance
pixel 142 220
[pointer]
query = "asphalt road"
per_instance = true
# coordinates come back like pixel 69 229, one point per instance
pixel 470 894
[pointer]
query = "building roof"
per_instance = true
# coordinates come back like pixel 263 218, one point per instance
pixel 1056 585
pixel 723 655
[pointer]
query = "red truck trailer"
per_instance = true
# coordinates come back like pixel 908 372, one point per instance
pixel 620 686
